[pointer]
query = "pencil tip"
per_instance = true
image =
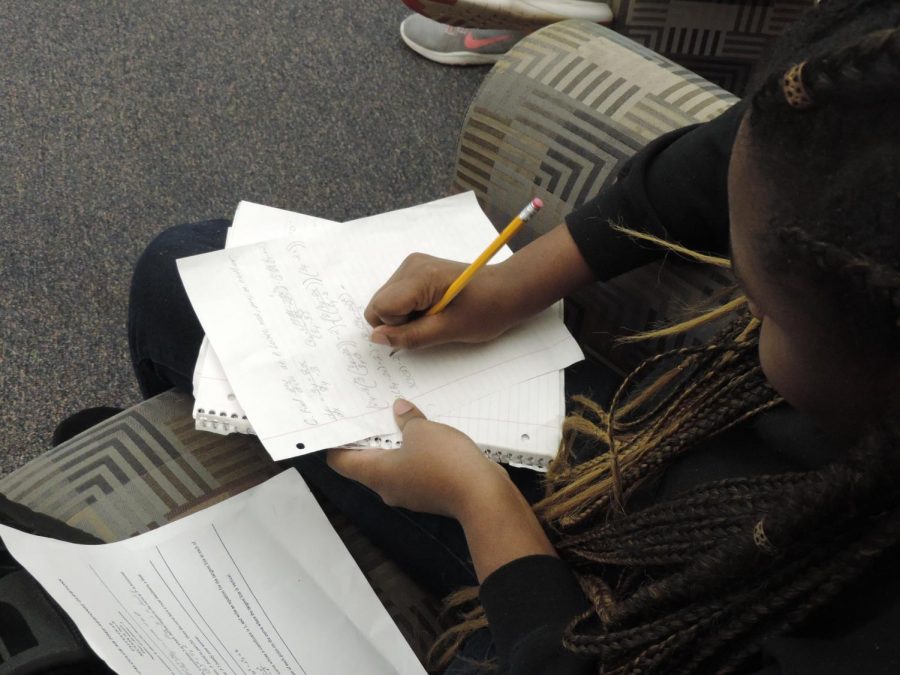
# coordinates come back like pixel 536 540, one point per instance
pixel 394 351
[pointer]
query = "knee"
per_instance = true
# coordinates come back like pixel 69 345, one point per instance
pixel 155 273
pixel 157 261
pixel 157 295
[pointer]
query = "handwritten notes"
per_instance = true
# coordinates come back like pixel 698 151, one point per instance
pixel 226 590
pixel 216 407
pixel 285 318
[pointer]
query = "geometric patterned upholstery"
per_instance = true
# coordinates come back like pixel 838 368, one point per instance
pixel 138 470
pixel 722 41
pixel 148 466
pixel 555 118
pixel 559 113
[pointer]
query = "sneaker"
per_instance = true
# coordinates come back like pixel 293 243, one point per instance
pixel 519 14
pixel 456 46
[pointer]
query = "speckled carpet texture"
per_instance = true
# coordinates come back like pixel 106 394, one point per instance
pixel 121 117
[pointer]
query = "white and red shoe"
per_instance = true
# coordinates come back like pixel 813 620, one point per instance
pixel 515 14
pixel 456 46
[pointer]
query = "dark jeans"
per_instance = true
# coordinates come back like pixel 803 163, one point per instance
pixel 164 338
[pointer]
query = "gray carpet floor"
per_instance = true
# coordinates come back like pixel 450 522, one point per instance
pixel 121 117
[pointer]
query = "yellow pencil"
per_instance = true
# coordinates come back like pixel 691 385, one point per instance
pixel 463 279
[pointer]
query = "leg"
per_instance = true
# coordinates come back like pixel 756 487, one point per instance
pixel 164 334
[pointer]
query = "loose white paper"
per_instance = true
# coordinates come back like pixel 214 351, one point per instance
pixel 286 319
pixel 216 407
pixel 259 583
pixel 521 425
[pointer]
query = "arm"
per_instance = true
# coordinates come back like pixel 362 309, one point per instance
pixel 529 602
pixel 546 270
pixel 530 595
pixel 679 179
pixel 674 188
pixel 498 297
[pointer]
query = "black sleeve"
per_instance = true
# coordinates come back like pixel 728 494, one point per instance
pixel 529 602
pixel 674 188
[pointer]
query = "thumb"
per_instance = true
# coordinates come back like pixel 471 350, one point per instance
pixel 359 465
pixel 426 331
pixel 404 411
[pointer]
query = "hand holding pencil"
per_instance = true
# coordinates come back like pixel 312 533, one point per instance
pixel 418 306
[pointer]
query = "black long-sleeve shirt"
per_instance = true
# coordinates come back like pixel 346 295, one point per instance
pixel 676 188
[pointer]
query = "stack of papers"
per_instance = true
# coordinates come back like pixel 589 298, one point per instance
pixel 289 347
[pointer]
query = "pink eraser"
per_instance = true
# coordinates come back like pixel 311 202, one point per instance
pixel 537 203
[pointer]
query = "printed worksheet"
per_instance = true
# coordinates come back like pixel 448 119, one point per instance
pixel 259 583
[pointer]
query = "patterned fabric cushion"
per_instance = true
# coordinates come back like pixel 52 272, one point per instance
pixel 147 466
pixel 720 40
pixel 555 118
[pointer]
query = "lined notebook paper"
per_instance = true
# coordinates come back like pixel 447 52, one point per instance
pixel 517 421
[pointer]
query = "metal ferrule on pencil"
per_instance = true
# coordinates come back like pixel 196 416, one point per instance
pixel 528 211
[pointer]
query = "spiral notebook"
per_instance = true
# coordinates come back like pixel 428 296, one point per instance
pixel 520 425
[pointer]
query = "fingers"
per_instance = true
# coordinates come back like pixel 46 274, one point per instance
pixel 404 412
pixel 363 465
pixel 426 331
pixel 393 303
pixel 416 285
pixel 369 466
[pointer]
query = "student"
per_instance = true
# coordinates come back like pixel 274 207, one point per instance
pixel 739 512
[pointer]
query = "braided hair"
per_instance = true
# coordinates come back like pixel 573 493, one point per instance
pixel 696 583
pixel 837 179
